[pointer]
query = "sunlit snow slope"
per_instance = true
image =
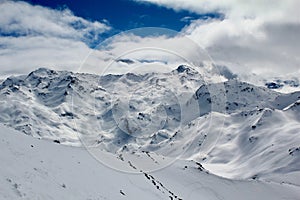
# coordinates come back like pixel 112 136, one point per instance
pixel 37 169
pixel 137 123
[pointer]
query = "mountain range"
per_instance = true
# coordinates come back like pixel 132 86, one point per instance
pixel 181 134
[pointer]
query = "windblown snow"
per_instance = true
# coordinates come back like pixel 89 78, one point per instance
pixel 175 135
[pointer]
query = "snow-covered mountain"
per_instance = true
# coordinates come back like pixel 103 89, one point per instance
pixel 145 122
pixel 286 83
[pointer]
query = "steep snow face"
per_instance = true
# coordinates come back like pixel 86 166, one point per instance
pixel 235 129
pixel 251 144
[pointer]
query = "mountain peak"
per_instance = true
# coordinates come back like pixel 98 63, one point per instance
pixel 183 68
pixel 42 72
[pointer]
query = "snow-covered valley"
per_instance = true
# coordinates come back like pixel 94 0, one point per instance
pixel 172 135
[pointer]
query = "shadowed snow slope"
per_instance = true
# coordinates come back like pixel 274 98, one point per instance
pixel 235 129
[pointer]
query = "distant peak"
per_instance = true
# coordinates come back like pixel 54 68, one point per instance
pixel 125 60
pixel 273 85
pixel 42 70
pixel 183 68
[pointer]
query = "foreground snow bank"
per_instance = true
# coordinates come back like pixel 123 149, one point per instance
pixel 36 169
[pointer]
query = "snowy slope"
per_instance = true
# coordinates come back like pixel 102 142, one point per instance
pixel 37 169
pixel 146 122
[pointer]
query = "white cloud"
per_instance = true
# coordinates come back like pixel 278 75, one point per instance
pixel 259 36
pixel 25 19
pixel 24 54
pixel 36 36
pixel 160 52
pixel 165 48
pixel 277 9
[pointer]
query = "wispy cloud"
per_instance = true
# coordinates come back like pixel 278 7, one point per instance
pixel 187 19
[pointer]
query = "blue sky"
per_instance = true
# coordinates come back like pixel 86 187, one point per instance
pixel 127 14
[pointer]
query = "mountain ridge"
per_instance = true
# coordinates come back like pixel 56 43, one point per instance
pixel 175 114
